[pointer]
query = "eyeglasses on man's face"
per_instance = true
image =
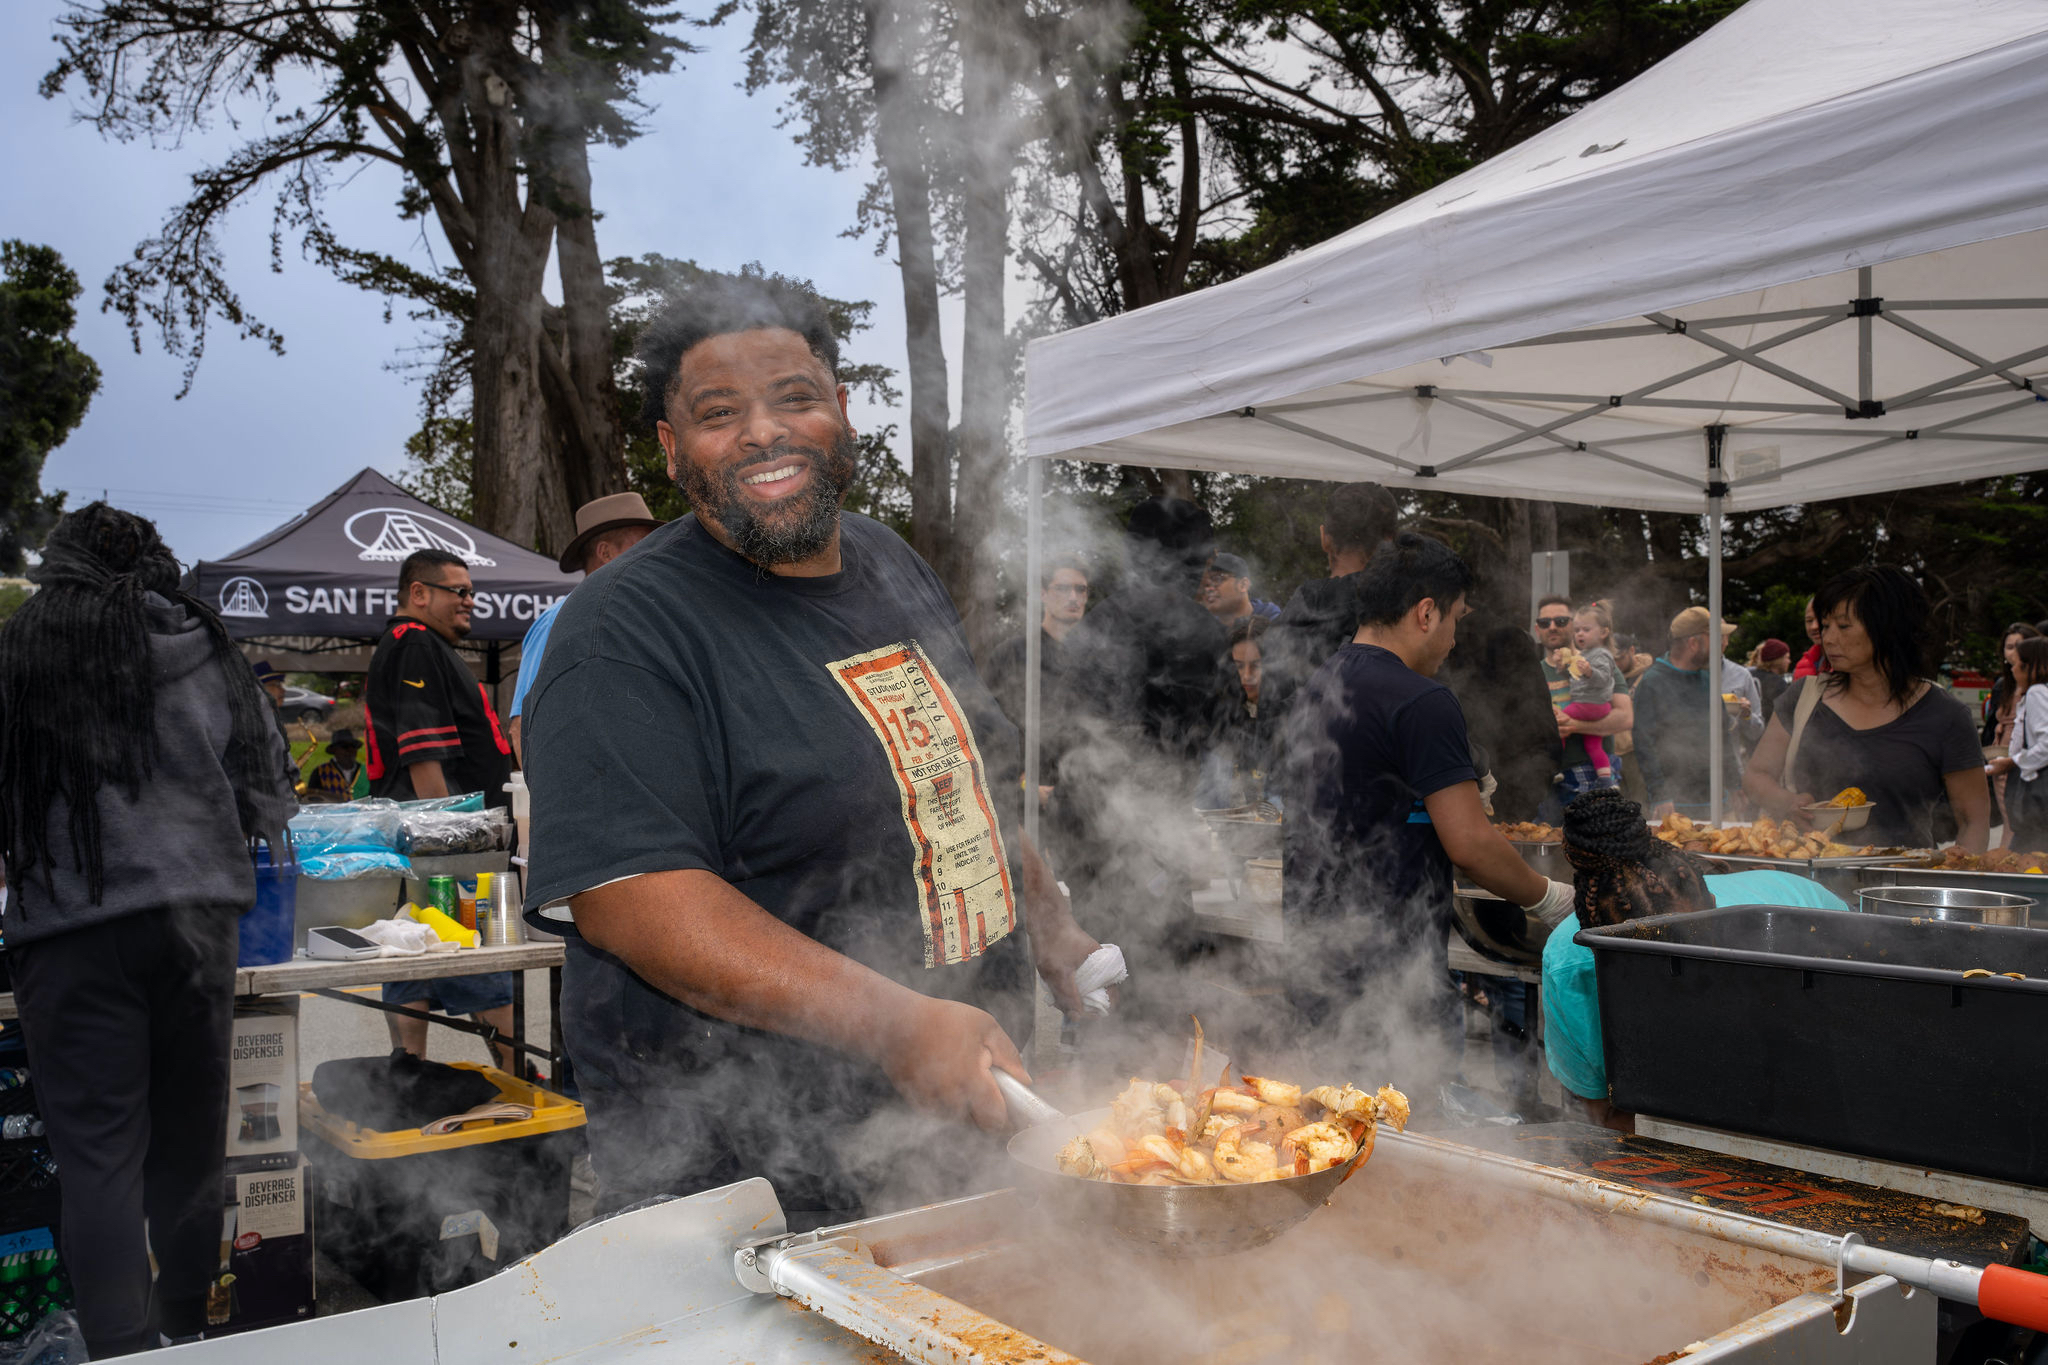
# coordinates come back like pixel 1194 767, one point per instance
pixel 461 594
pixel 1553 620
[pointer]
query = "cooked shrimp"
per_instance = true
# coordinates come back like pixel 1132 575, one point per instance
pixel 1231 1100
pixel 1217 1126
pixel 1274 1092
pixel 1188 1162
pixel 1242 1160
pixel 1324 1143
pixel 1350 1103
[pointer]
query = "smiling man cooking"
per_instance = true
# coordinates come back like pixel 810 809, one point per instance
pixel 781 804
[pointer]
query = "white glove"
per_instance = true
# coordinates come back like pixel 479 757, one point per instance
pixel 1555 905
pixel 1092 979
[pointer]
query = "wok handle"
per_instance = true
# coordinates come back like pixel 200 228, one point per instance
pixel 2019 1297
pixel 1027 1110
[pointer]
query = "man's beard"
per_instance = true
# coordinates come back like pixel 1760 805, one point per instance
pixel 786 532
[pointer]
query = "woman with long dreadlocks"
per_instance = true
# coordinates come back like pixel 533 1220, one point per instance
pixel 1621 871
pixel 137 758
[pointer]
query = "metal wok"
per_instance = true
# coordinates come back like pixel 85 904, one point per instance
pixel 1161 1220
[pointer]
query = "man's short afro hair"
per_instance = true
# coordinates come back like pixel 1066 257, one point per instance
pixel 717 304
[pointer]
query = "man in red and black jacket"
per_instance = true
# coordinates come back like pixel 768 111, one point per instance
pixel 434 732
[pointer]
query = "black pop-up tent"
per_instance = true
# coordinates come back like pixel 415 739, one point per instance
pixel 333 570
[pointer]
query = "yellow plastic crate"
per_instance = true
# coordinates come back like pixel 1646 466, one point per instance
pixel 551 1113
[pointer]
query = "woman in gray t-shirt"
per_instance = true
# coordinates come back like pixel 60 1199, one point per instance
pixel 1879 724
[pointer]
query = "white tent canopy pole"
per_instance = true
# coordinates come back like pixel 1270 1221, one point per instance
pixel 1820 231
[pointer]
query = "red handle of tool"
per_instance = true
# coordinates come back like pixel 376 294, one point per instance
pixel 2019 1297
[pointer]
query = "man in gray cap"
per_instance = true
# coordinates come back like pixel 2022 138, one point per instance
pixel 605 529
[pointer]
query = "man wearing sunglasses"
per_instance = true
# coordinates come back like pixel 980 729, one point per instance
pixel 434 732
pixel 1578 775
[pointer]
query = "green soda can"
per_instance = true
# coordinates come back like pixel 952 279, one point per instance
pixel 441 895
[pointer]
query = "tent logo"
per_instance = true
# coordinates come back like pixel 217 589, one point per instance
pixel 243 596
pixel 402 530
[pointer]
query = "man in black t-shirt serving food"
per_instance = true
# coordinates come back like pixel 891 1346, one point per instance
pixel 782 807
pixel 434 732
pixel 1385 800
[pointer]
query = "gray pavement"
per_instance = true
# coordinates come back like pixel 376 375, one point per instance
pixel 330 1029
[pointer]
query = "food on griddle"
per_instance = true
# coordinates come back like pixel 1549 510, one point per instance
pixel 1531 832
pixel 1242 1134
pixel 1767 838
pixel 1850 797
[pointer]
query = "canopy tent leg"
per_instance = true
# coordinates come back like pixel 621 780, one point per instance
pixel 1034 643
pixel 1717 488
pixel 1046 1018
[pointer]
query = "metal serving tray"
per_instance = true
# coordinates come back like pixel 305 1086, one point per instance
pixel 1836 874
pixel 1892 872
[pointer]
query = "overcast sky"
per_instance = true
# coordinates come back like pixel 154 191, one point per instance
pixel 262 436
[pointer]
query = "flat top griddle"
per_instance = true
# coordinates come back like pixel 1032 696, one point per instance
pixel 1890 1219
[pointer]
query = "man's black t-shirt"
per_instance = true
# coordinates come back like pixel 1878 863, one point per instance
pixel 1368 740
pixel 826 747
pixel 423 704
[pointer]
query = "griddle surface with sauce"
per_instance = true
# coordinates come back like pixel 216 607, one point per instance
pixel 1905 1223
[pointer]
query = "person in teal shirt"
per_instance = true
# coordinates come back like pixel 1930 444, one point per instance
pixel 1571 1002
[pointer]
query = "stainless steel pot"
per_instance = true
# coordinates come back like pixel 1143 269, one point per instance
pixel 1947 903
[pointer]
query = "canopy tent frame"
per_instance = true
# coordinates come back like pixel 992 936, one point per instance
pixel 1643 305
pixel 1712 480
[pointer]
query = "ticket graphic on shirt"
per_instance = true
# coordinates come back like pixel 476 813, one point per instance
pixel 962 873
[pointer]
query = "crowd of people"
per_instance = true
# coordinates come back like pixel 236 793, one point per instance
pixel 780 803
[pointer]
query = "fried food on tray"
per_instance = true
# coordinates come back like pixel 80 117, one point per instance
pixel 1850 797
pixel 2003 860
pixel 1261 1130
pixel 1531 832
pixel 1767 838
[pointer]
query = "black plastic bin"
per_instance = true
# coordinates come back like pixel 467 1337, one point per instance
pixel 1858 1033
pixel 408 1215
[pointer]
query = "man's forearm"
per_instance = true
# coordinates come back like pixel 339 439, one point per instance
pixel 694 936
pixel 1472 843
pixel 428 779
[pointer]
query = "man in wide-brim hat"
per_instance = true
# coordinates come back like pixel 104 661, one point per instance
pixel 606 528
pixel 341 777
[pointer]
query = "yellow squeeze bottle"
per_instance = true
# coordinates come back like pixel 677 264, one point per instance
pixel 443 926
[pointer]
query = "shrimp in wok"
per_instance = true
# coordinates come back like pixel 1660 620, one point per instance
pixel 1261 1130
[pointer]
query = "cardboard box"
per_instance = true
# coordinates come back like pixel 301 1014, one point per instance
pixel 263 1090
pixel 267 1252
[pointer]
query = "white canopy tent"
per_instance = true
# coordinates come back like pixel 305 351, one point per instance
pixel 1804 257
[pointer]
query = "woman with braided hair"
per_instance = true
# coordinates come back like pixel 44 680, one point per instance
pixel 1620 872
pixel 137 758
